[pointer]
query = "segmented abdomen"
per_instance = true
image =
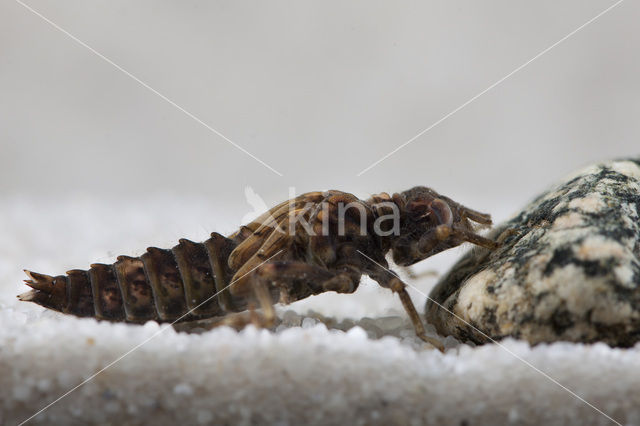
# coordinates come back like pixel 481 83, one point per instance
pixel 183 283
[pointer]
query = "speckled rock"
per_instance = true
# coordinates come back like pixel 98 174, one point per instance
pixel 568 268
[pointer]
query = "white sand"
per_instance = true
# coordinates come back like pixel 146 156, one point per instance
pixel 307 374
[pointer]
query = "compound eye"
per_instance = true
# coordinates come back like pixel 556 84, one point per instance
pixel 442 212
pixel 419 209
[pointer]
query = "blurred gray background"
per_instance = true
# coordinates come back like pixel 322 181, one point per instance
pixel 318 91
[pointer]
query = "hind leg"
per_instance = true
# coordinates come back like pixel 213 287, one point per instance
pixel 263 297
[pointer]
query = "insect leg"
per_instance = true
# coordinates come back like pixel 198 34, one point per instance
pixel 296 280
pixel 389 280
pixel 411 273
pixel 474 238
pixel 236 320
pixel 399 287
pixel 264 299
pixel 316 279
pixel 476 216
pixel 443 232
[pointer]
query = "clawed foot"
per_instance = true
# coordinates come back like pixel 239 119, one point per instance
pixel 436 343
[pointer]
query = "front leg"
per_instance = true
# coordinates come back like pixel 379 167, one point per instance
pixel 390 280
pixel 413 275
pixel 399 287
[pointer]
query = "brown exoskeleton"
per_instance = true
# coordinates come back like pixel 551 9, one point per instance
pixel 316 242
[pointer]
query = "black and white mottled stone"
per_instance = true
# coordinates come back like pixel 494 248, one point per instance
pixel 568 268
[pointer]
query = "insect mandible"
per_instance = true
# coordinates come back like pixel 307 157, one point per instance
pixel 316 242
